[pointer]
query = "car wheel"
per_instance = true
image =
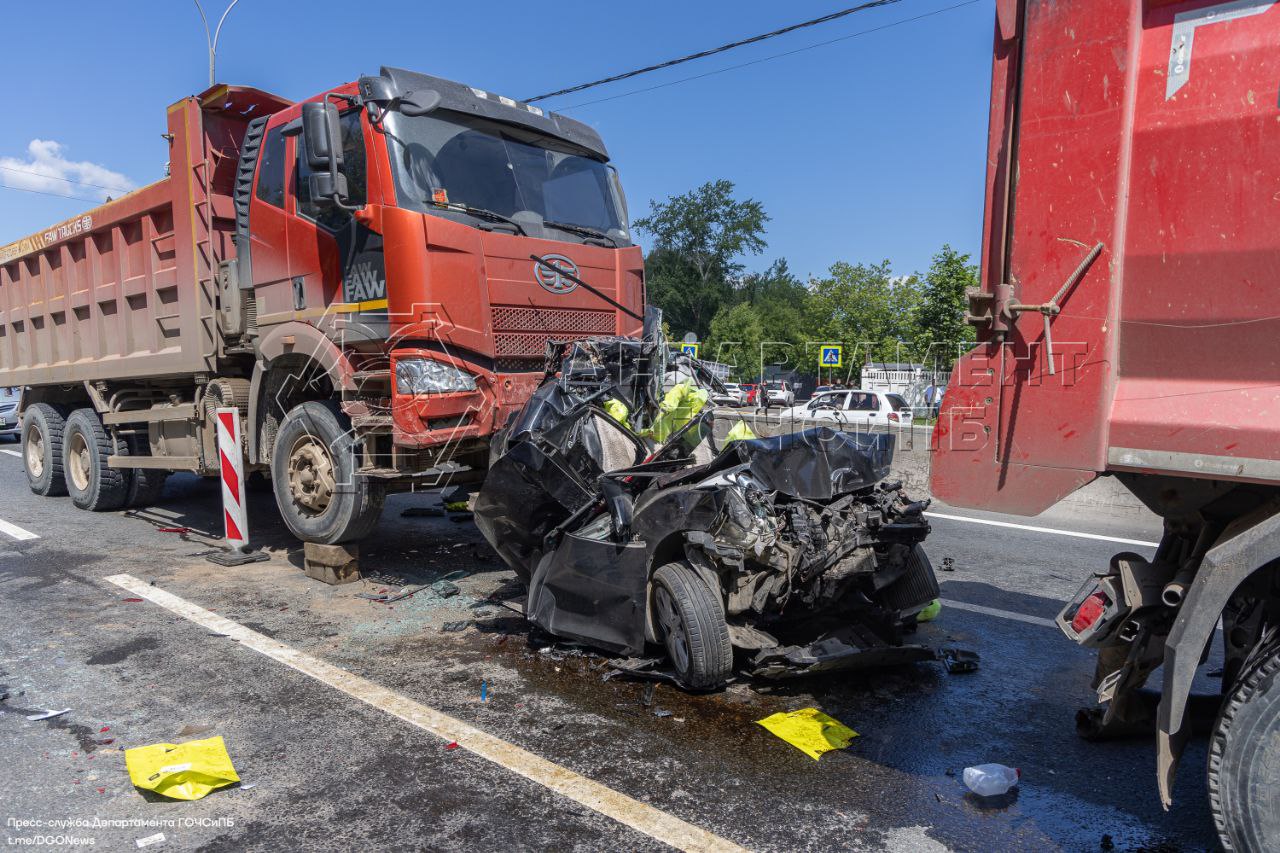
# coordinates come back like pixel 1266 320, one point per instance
pixel 691 623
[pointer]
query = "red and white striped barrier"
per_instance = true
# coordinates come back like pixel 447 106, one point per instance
pixel 231 468
pixel 231 465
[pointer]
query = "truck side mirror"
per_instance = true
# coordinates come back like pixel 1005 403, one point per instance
pixel 322 139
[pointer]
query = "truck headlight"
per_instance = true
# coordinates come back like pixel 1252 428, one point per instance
pixel 427 376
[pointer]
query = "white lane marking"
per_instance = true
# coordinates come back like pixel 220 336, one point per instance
pixel 15 531
pixel 1035 529
pixel 12 452
pixel 608 802
pixel 1003 614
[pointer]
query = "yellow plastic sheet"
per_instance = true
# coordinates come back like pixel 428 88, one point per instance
pixel 810 731
pixel 677 408
pixel 617 410
pixel 931 611
pixel 739 432
pixel 184 771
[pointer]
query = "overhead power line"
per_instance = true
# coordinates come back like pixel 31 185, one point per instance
pixel 713 51
pixel 769 58
pixel 36 174
pixel 42 192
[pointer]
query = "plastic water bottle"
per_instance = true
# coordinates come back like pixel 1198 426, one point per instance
pixel 991 780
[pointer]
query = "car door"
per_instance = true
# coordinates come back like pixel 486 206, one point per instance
pixel 863 407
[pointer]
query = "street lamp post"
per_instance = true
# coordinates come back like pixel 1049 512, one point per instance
pixel 212 40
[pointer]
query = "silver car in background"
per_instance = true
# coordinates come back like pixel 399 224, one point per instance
pixel 10 423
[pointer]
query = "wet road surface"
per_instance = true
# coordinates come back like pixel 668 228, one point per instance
pixel 325 771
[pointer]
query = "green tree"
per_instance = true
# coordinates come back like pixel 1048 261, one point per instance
pixel 866 308
pixel 735 338
pixel 941 332
pixel 698 238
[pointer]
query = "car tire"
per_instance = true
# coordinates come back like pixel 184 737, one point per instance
pixel 92 483
pixel 313 475
pixel 42 429
pixel 691 623
pixel 1244 757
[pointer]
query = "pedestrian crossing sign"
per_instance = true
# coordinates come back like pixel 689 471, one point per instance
pixel 690 350
pixel 831 357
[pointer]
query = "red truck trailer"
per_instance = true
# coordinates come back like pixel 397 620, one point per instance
pixel 1129 326
pixel 371 276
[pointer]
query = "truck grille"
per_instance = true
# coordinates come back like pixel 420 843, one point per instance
pixel 520 335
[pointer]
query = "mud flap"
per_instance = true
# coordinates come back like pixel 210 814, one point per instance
pixel 1249 545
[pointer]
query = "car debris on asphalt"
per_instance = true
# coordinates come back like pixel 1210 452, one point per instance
pixel 48 715
pixel 620 501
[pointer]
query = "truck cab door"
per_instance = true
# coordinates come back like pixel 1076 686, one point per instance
pixel 268 232
pixel 337 262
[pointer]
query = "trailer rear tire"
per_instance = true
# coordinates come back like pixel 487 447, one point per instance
pixel 313 474
pixel 91 482
pixel 691 622
pixel 1244 758
pixel 42 430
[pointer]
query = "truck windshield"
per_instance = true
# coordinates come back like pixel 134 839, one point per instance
pixel 446 162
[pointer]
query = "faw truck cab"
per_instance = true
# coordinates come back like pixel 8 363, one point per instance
pixel 371 277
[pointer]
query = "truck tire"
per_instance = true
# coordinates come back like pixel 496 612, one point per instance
pixel 691 622
pixel 313 474
pixel 145 484
pixel 1244 758
pixel 86 446
pixel 42 430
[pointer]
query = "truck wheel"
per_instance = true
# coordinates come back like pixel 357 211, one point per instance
pixel 313 473
pixel 1244 758
pixel 92 484
pixel 145 484
pixel 42 430
pixel 690 620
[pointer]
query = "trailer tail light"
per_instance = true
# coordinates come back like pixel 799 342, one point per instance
pixel 1090 610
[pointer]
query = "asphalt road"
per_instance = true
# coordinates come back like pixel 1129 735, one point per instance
pixel 322 769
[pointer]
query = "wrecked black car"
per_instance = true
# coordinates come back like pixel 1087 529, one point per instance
pixel 638 517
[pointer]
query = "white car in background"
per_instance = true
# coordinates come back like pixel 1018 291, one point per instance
pixel 733 395
pixel 10 425
pixel 779 394
pixel 854 407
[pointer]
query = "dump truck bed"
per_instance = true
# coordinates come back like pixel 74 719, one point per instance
pixel 126 289
pixel 1152 130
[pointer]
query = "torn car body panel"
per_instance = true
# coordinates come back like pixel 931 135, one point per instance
pixel 814 560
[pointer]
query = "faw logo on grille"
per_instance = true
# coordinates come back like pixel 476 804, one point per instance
pixel 554 281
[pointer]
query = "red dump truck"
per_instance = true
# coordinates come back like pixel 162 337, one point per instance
pixel 1129 326
pixel 371 277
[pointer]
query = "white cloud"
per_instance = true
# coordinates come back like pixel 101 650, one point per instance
pixel 46 170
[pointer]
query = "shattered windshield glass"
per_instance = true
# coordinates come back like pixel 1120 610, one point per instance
pixel 446 162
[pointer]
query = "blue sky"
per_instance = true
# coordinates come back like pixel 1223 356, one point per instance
pixel 872 147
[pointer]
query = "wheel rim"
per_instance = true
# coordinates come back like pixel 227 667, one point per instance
pixel 311 480
pixel 35 452
pixel 672 628
pixel 80 463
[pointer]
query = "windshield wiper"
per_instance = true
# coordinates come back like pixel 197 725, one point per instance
pixel 584 230
pixel 481 213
